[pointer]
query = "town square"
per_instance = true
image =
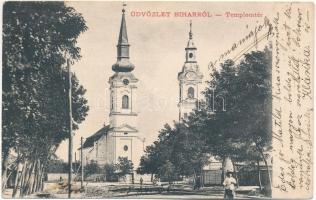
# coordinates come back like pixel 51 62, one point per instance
pixel 141 100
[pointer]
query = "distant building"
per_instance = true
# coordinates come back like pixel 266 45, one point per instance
pixel 190 80
pixel 121 137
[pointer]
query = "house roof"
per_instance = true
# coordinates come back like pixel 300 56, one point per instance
pixel 96 136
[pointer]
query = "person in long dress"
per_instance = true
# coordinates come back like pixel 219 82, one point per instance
pixel 229 185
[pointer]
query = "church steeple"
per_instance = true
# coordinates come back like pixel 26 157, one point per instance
pixel 190 33
pixel 123 64
pixel 190 49
pixel 123 40
pixel 190 80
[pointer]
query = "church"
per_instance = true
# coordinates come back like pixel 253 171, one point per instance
pixel 190 80
pixel 120 138
pixel 190 85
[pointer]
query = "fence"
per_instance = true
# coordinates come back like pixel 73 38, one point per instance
pixel 247 175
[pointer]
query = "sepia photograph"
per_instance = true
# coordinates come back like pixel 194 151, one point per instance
pixel 157 100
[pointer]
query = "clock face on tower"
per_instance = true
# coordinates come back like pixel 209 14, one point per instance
pixel 190 75
pixel 126 81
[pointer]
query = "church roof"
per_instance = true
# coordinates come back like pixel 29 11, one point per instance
pixel 190 44
pixel 123 40
pixel 120 75
pixel 96 136
pixel 198 76
pixel 123 64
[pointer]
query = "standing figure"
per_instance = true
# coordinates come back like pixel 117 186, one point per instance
pixel 141 184
pixel 229 185
pixel 197 184
pixel 61 181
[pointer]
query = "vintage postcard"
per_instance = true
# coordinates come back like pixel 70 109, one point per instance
pixel 149 99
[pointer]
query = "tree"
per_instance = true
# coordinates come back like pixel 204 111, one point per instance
pixel 247 88
pixel 156 154
pixel 255 106
pixel 185 151
pixel 36 38
pixel 167 170
pixel 110 172
pixel 57 166
pixel 92 168
pixel 124 166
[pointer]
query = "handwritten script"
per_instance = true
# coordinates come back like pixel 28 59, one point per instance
pixel 292 120
pixel 261 32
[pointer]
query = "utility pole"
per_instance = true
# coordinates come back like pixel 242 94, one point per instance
pixel 75 167
pixel 70 131
pixel 81 158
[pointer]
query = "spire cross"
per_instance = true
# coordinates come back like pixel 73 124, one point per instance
pixel 124 4
pixel 190 33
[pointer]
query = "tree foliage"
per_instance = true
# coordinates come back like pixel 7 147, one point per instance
pixel 168 170
pixel 38 37
pixel 247 88
pixel 242 131
pixel 92 168
pixel 175 147
pixel 124 166
pixel 57 166
pixel 110 172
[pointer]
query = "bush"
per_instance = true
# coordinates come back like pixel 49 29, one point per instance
pixel 57 166
pixel 110 172
pixel 124 166
pixel 92 168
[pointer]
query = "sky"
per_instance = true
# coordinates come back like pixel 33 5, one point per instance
pixel 157 51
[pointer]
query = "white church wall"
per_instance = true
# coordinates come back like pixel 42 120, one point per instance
pixel 138 152
pixel 120 120
pixel 121 142
pixel 88 155
pixel 123 121
pixel 101 150
pixel 110 146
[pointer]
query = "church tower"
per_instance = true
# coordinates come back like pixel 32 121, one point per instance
pixel 190 79
pixel 123 136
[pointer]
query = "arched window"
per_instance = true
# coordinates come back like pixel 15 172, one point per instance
pixel 125 102
pixel 191 92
